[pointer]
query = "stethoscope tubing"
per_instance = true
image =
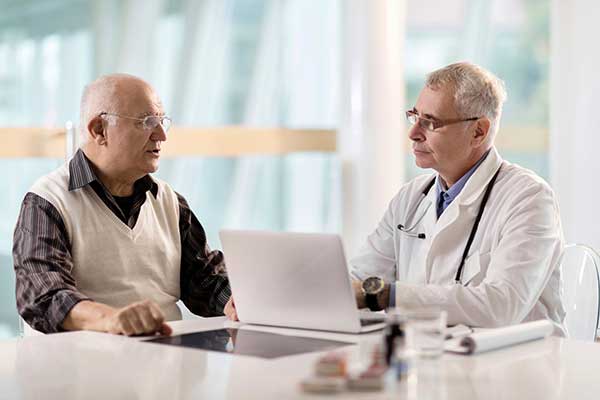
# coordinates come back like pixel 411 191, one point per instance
pixel 410 231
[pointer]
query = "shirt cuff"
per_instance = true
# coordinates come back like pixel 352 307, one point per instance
pixel 61 306
pixel 414 295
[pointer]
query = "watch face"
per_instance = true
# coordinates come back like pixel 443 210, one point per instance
pixel 372 285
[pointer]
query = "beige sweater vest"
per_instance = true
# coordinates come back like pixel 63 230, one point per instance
pixel 113 264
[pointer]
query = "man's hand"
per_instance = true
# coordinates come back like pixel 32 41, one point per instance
pixel 230 311
pixel 144 317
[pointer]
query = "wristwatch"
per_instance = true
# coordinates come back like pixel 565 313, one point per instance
pixel 372 287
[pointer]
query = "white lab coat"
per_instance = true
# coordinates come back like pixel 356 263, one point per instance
pixel 511 273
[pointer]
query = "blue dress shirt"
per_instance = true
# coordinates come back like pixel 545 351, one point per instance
pixel 444 198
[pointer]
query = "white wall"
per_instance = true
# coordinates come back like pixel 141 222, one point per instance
pixel 574 117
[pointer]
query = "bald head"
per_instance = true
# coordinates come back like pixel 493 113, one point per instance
pixel 111 94
pixel 122 145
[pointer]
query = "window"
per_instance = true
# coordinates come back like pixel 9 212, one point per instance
pixel 249 63
pixel 510 38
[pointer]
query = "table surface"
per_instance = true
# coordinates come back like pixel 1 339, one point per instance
pixel 91 365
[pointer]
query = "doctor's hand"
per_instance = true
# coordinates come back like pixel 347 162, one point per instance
pixel 141 318
pixel 230 311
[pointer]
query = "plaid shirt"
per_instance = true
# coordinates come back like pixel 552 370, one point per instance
pixel 45 288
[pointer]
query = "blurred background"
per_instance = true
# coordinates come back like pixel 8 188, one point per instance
pixel 350 68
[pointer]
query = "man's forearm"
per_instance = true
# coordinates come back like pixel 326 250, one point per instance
pixel 88 315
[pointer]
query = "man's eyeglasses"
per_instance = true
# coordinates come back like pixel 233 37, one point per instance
pixel 149 123
pixel 431 125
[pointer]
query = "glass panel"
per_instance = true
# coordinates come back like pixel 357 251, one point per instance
pixel 512 39
pixel 297 192
pixel 213 62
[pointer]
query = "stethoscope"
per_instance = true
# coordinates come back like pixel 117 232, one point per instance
pixel 411 230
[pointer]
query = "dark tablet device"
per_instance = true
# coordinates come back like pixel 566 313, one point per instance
pixel 250 343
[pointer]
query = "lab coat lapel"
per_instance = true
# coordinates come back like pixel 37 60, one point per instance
pixel 429 225
pixel 414 252
pixel 477 184
pixel 462 205
pixel 430 219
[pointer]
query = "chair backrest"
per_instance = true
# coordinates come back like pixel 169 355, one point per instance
pixel 580 270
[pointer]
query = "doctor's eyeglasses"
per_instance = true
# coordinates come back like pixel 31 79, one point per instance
pixel 148 123
pixel 431 125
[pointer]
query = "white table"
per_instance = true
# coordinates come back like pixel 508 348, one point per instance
pixel 88 365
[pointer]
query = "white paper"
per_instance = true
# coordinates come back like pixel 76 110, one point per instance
pixel 492 339
pixel 456 331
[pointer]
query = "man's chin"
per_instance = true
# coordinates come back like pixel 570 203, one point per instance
pixel 151 168
pixel 422 163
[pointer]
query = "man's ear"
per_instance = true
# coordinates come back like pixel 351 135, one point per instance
pixel 482 130
pixel 96 130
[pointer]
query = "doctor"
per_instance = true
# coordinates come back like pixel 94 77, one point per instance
pixel 481 238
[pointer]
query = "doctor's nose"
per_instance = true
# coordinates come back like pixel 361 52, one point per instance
pixel 415 133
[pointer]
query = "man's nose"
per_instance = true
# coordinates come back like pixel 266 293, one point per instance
pixel 159 134
pixel 415 132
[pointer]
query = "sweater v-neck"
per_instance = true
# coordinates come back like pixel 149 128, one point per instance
pixel 132 232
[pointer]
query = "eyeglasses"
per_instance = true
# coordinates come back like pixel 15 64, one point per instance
pixel 428 124
pixel 149 123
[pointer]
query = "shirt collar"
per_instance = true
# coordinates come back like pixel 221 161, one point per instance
pixel 82 174
pixel 455 189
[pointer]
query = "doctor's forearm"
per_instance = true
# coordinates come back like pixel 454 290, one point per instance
pixel 486 306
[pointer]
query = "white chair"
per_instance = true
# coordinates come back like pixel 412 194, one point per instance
pixel 580 270
pixel 26 330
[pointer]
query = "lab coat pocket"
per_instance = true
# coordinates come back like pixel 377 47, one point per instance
pixel 471 268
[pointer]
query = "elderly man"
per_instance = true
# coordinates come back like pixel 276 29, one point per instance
pixel 481 238
pixel 99 243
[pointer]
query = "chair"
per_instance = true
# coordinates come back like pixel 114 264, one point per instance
pixel 25 330
pixel 581 275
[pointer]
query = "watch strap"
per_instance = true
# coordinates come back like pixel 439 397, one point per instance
pixel 371 302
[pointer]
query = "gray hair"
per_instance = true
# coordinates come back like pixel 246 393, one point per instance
pixel 99 96
pixel 477 92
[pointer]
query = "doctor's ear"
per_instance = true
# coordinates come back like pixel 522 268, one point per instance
pixel 482 130
pixel 96 130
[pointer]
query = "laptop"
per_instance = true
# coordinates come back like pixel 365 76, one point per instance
pixel 293 280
